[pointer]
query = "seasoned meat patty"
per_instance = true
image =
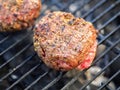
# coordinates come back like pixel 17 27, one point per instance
pixel 65 42
pixel 18 14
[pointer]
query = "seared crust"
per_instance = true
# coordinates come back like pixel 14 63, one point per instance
pixel 63 41
pixel 18 14
pixel 89 58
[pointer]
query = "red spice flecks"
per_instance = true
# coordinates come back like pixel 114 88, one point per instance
pixel 87 62
pixel 84 64
pixel 8 19
pixel 63 65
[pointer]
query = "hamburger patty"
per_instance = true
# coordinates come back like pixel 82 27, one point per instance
pixel 18 14
pixel 63 41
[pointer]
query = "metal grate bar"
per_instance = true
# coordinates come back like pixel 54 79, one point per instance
pixel 100 28
pixel 98 17
pixel 94 8
pixel 116 49
pixel 75 78
pixel 109 21
pixel 118 88
pixel 105 12
pixel 56 4
pixel 64 8
pixel 43 1
pixel 20 65
pixel 18 41
pixel 33 83
pixel 21 51
pixel 54 81
pixel 111 33
pixel 35 67
pixel 72 81
pixel 104 53
pixel 102 39
pixel 80 7
pixel 68 4
pixel 48 7
pixel 4 34
pixel 4 39
pixel 110 79
pixel 88 82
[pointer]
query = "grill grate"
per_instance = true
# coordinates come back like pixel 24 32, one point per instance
pixel 21 68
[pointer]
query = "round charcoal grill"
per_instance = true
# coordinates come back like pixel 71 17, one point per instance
pixel 22 69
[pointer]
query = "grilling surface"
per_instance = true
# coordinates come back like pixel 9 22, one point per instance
pixel 21 68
